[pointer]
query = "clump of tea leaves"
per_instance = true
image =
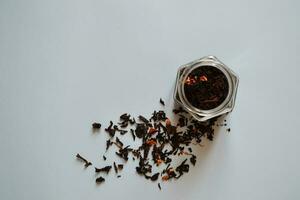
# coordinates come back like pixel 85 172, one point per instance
pixel 206 87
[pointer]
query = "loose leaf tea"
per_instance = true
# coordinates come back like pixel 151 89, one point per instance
pixel 162 142
pixel 182 168
pixel 119 143
pixel 116 168
pixel 110 129
pixel 87 163
pixel 154 177
pixel 104 169
pixel 206 87
pixel 161 102
pixel 108 144
pixel 96 125
pixel 193 159
pixel 120 166
pixel 159 186
pixel 123 152
pixel 143 119
pixel 132 133
pixel 100 180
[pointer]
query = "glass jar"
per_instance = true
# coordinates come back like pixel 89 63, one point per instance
pixel 224 107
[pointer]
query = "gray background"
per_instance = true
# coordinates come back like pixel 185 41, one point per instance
pixel 65 64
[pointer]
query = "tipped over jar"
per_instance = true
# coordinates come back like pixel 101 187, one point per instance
pixel 206 88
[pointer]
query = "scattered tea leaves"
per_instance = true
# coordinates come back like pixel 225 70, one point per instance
pixel 162 142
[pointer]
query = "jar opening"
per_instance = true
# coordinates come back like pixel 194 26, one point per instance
pixel 206 87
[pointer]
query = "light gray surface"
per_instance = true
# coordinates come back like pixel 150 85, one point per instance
pixel 64 64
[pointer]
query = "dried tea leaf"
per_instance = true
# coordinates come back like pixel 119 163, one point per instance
pixel 161 102
pixel 132 133
pixel 104 169
pixel 143 119
pixel 141 130
pixel 96 125
pixel 108 144
pixel 118 141
pixel 159 186
pixel 110 130
pixel 87 163
pixel 193 159
pixel 154 177
pixel 100 180
pixel 116 168
pixel 120 166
